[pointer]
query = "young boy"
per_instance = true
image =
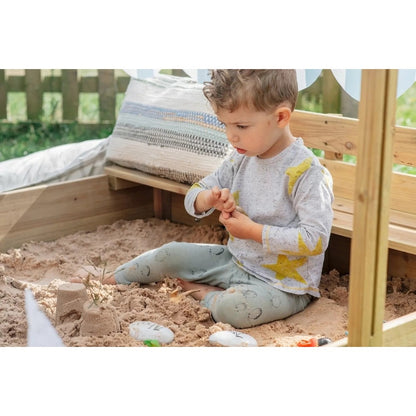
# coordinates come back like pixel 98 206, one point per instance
pixel 274 199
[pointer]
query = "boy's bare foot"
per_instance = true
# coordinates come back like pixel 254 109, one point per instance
pixel 94 273
pixel 201 290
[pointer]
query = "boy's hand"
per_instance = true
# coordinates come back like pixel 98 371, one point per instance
pixel 241 226
pixel 223 200
pixel 220 199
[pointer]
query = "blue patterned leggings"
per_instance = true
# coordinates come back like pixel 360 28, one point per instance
pixel 246 301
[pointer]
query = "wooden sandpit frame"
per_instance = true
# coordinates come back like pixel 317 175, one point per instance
pixel 374 230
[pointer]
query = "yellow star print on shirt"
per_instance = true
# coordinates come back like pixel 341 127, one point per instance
pixel 287 268
pixel 236 196
pixel 296 171
pixel 196 185
pixel 303 249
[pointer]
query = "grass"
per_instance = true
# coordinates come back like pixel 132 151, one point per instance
pixel 22 138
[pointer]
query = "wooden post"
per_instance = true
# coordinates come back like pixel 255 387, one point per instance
pixel 369 247
pixel 107 95
pixel 3 95
pixel 33 94
pixel 331 103
pixel 70 95
pixel 162 204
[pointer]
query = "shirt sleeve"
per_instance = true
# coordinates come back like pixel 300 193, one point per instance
pixel 222 178
pixel 312 199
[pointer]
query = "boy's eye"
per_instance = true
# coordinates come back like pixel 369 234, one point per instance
pixel 241 127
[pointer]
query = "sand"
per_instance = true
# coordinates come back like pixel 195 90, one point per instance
pixel 45 267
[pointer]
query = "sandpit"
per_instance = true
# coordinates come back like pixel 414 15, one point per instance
pixel 99 315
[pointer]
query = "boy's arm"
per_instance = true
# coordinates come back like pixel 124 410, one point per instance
pixel 195 203
pixel 199 200
pixel 313 203
pixel 312 200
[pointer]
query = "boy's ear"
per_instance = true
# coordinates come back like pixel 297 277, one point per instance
pixel 283 115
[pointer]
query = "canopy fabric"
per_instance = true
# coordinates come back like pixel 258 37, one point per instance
pixel 348 79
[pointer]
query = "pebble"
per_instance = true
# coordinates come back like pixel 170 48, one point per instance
pixel 145 330
pixel 232 339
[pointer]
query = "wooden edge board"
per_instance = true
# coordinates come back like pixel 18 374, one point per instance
pixel 47 212
pixel 400 332
pixel 401 237
pixel 146 179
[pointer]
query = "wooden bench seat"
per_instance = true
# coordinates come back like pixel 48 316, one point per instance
pixel 402 227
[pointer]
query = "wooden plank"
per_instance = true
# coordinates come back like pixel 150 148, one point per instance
pixel 146 179
pixel 88 84
pixel 52 84
pixel 403 191
pixel 404 150
pixel 342 224
pixel 162 203
pixel 3 95
pixel 15 83
pixel 107 95
pixel 70 95
pixel 343 342
pixel 333 156
pixel 116 184
pixel 400 237
pixel 403 186
pixel 369 247
pixel 122 84
pixel 50 211
pixel 333 133
pixel 33 94
pixel 343 175
pixel 397 218
pixel 400 332
pixel 330 133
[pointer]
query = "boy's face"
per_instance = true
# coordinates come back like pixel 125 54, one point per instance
pixel 256 133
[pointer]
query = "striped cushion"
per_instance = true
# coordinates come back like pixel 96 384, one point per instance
pixel 167 128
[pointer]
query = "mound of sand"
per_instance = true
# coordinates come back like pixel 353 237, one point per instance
pixel 45 266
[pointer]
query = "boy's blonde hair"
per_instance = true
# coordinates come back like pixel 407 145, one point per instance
pixel 261 89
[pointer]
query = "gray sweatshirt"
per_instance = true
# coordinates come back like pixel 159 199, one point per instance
pixel 291 195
